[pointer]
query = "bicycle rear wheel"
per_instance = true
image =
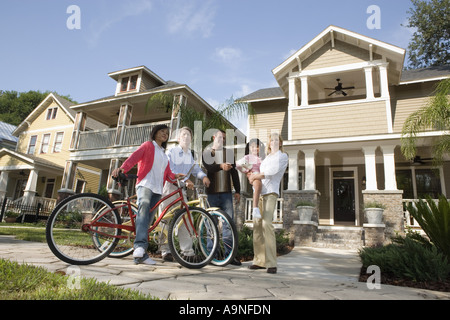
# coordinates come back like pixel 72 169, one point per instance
pixel 124 246
pixel 228 238
pixel 72 234
pixel 189 232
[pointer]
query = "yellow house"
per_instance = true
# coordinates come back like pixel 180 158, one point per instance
pixel 340 106
pixel 33 171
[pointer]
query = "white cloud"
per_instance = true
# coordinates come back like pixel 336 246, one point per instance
pixel 126 10
pixel 228 55
pixel 192 16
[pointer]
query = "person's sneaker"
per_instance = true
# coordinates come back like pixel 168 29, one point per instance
pixel 256 213
pixel 138 252
pixel 148 261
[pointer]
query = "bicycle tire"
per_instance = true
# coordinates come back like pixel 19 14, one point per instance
pixel 72 218
pixel 189 231
pixel 227 249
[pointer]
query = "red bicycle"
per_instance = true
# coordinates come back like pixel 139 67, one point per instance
pixel 86 228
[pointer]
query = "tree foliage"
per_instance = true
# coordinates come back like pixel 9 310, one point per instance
pixel 430 44
pixel 16 106
pixel 434 116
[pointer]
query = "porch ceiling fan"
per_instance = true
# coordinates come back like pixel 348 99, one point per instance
pixel 339 89
pixel 418 160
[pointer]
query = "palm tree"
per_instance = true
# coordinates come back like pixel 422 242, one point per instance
pixel 216 119
pixel 435 115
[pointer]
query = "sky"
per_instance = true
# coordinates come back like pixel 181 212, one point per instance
pixel 219 48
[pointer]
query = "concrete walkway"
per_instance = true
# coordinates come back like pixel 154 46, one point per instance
pixel 305 273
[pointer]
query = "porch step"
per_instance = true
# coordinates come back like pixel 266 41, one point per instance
pixel 338 237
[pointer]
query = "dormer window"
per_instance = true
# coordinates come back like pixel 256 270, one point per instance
pixel 129 83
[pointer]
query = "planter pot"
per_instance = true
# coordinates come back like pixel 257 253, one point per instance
pixel 10 219
pixel 305 213
pixel 374 215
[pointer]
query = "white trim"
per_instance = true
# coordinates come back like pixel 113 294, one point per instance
pixel 393 136
pixel 341 68
pixel 333 29
pixel 424 80
pixel 337 104
pixel 47 129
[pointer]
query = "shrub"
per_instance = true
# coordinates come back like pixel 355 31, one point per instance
pixel 434 221
pixel 408 259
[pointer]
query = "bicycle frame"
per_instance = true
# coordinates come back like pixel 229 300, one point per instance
pixel 132 227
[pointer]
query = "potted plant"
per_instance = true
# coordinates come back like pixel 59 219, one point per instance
pixel 11 216
pixel 374 212
pixel 305 210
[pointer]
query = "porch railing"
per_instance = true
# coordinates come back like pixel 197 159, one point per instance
pixel 410 221
pixel 277 215
pixel 132 136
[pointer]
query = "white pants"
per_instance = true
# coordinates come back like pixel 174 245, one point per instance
pixel 183 234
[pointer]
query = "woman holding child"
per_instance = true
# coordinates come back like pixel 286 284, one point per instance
pixel 270 173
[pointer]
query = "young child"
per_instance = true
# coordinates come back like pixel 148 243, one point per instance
pixel 250 164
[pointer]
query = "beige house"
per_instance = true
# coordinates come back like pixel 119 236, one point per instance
pixel 127 122
pixel 340 106
pixel 33 171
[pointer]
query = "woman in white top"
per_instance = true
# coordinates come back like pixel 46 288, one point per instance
pixel 271 171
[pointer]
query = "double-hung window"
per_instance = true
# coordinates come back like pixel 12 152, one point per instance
pixel 45 143
pixel 32 145
pixel 58 142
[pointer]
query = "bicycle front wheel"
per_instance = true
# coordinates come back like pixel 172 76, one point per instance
pixel 189 232
pixel 73 234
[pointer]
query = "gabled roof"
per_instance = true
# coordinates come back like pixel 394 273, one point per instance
pixel 63 104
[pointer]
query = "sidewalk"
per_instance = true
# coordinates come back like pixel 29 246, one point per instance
pixel 305 273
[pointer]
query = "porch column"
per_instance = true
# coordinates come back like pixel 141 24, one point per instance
pixel 67 181
pixel 3 183
pixel 305 97
pixel 389 167
pixel 310 169
pixel 78 126
pixel 30 189
pixel 293 169
pixel 293 95
pixel 384 83
pixel 369 82
pixel 123 121
pixel 112 186
pixel 371 170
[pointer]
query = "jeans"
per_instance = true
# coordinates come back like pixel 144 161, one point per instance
pixel 146 200
pixel 224 201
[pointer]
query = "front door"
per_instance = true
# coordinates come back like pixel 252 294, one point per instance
pixel 344 200
pixel 344 196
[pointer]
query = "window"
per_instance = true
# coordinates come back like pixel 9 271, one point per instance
pixel 45 142
pixel 417 183
pixel 32 145
pixel 58 142
pixel 51 113
pixel 129 83
pixel 79 188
